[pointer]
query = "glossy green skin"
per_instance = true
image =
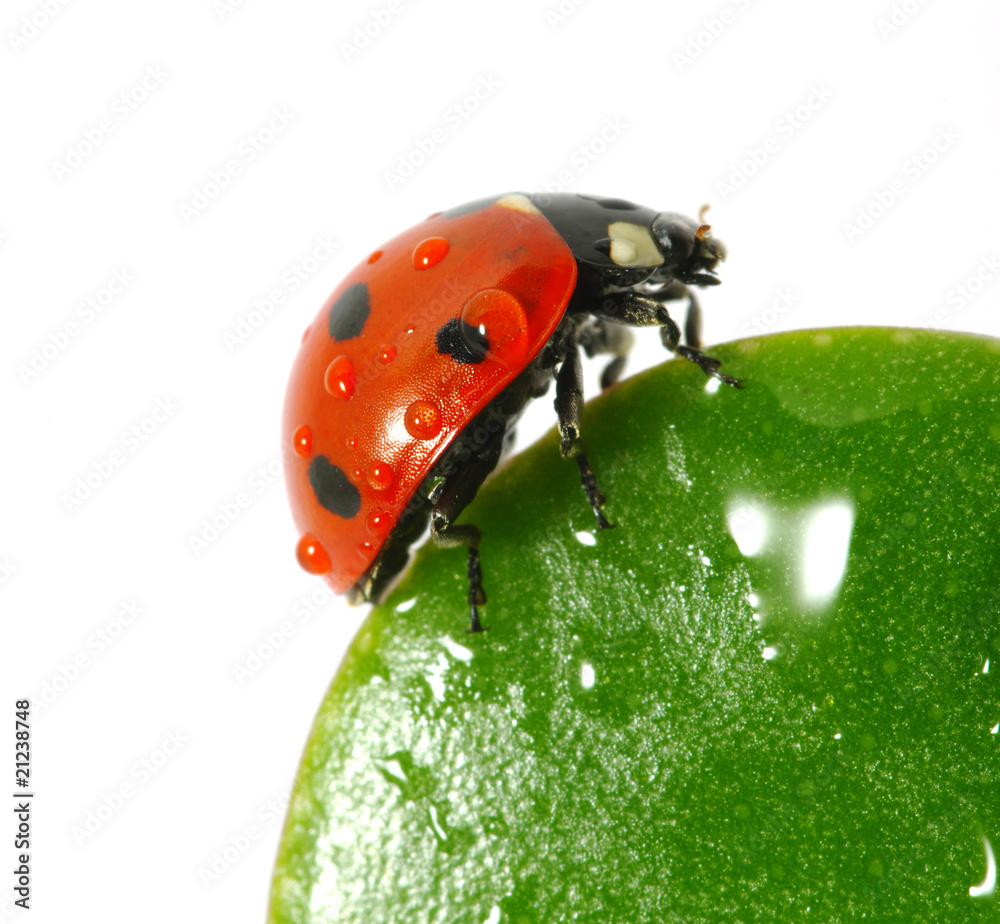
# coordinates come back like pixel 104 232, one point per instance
pixel 682 776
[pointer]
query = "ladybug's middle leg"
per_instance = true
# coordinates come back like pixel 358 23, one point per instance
pixel 569 404
pixel 603 337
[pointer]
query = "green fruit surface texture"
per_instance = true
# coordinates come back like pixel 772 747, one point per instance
pixel 770 693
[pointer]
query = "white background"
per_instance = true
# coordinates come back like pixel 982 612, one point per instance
pixel 791 119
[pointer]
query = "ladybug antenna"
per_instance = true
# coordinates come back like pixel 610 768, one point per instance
pixel 703 228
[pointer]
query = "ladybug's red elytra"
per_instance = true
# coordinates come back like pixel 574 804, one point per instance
pixel 408 383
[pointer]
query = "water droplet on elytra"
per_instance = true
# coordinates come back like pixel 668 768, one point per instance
pixel 302 440
pixel 423 420
pixel 380 475
pixel 387 353
pixel 339 379
pixel 501 318
pixel 377 522
pixel 312 556
pixel 430 252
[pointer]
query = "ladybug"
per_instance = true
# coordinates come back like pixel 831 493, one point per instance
pixel 409 382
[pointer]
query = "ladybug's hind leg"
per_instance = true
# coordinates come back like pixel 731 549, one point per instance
pixel 453 495
pixel 569 404
pixel 447 534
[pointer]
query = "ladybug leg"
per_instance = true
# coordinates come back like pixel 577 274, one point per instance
pixel 675 291
pixel 692 336
pixel 692 323
pixel 634 309
pixel 708 364
pixel 628 307
pixel 569 404
pixel 602 337
pixel 446 535
pixel 456 492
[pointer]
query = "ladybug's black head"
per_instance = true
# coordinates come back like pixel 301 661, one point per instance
pixel 690 253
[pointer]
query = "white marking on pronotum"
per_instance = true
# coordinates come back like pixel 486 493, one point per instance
pixel 622 251
pixel 643 250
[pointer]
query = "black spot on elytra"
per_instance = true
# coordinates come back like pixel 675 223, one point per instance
pixel 333 489
pixel 462 342
pixel 349 312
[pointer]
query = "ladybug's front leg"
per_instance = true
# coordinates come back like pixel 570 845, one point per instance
pixel 691 349
pixel 569 404
pixel 629 307
pixel 675 291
